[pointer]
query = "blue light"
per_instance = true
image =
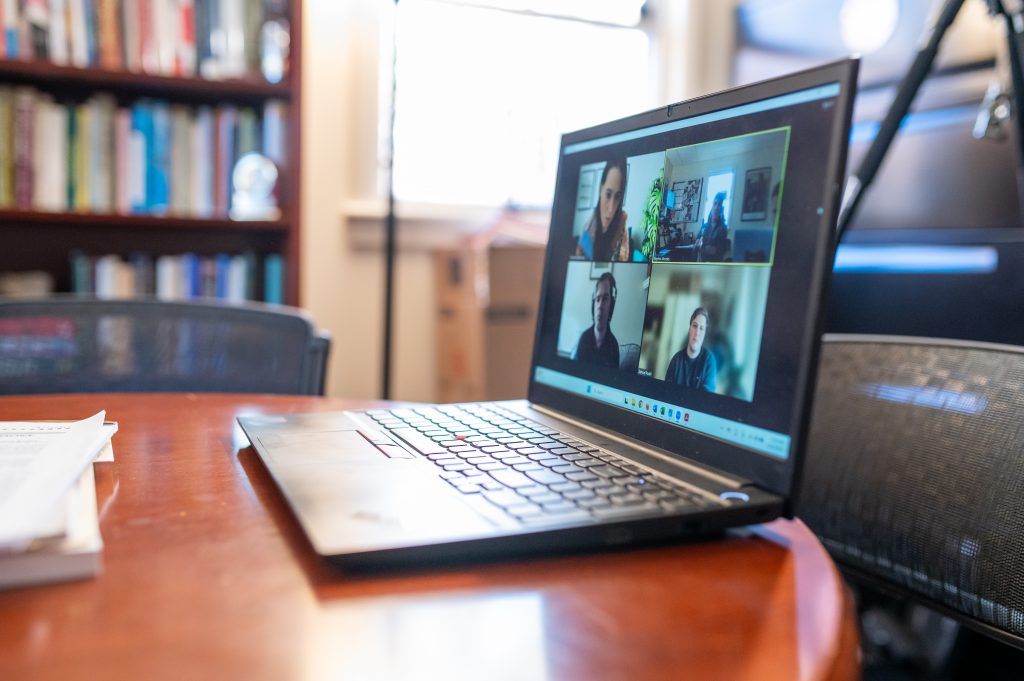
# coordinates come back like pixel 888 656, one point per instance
pixel 920 121
pixel 932 398
pixel 917 259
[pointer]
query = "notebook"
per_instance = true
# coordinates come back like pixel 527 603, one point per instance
pixel 667 398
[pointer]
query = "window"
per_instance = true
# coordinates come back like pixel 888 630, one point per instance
pixel 483 94
pixel 718 182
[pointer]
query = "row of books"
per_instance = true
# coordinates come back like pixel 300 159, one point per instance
pixel 150 158
pixel 216 39
pixel 234 278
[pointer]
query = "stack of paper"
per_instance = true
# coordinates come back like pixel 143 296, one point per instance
pixel 49 526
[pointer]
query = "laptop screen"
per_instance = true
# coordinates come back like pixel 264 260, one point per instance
pixel 685 266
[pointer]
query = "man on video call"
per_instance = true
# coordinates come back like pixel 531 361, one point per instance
pixel 694 366
pixel 598 344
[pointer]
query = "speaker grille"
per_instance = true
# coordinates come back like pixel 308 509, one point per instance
pixel 915 471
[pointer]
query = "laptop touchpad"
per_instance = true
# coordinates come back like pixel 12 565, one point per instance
pixel 320 448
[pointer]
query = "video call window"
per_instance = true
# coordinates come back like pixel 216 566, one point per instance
pixel 617 208
pixel 703 327
pixel 603 313
pixel 721 199
pixel 671 258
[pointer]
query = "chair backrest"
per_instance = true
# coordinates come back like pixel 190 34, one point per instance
pixel 914 476
pixel 65 344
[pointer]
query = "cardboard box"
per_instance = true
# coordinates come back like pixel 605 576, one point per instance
pixel 487 298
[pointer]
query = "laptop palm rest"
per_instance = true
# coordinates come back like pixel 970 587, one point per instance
pixel 333 482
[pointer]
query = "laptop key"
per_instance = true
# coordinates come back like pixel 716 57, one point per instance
pixel 525 511
pixel 412 437
pixel 606 471
pixel 511 478
pixel 628 499
pixel 596 484
pixel 457 467
pixel 502 497
pixel 496 466
pixel 545 476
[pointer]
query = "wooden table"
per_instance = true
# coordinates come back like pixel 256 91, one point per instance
pixel 208 576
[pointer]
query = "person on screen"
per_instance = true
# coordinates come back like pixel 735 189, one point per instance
pixel 605 237
pixel 694 366
pixel 598 344
pixel 713 238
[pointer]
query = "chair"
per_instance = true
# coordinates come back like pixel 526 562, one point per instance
pixel 914 476
pixel 73 344
pixel 629 356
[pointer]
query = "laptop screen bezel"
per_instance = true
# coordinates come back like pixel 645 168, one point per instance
pixel 774 474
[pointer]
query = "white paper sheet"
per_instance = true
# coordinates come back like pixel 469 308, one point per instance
pixel 39 463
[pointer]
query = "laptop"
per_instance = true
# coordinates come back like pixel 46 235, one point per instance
pixel 667 398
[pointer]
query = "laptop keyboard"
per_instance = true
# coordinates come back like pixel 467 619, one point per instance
pixel 534 473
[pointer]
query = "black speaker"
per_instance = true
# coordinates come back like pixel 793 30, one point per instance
pixel 914 475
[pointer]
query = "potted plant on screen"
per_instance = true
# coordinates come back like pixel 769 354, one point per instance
pixel 649 218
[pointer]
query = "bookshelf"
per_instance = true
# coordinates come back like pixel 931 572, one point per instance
pixel 43 234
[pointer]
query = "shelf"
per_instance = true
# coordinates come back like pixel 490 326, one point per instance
pixel 43 74
pixel 41 240
pixel 101 220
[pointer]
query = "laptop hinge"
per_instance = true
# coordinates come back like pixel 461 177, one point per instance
pixel 673 459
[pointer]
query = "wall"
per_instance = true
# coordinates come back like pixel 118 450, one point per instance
pixel 343 283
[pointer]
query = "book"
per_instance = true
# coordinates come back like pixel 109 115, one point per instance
pixel 149 51
pixel 24 120
pixel 78 38
pixel 82 269
pixel 143 283
pixel 49 150
pixel 275 126
pixel 123 178
pixel 37 18
pixel 75 555
pixel 273 280
pixel 131 40
pixel 202 172
pixel 139 154
pixel 181 161
pixel 109 35
pixel 225 125
pixel 101 152
pixel 185 54
pixel 158 161
pixel 81 152
pixel 59 53
pixel 165 29
pixel 9 26
pixel 6 147
pixel 49 523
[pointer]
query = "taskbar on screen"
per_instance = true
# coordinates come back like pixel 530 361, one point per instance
pixel 757 439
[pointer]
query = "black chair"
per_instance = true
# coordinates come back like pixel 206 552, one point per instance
pixel 914 477
pixel 72 344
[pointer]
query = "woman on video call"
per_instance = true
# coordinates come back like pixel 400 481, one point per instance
pixel 605 237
